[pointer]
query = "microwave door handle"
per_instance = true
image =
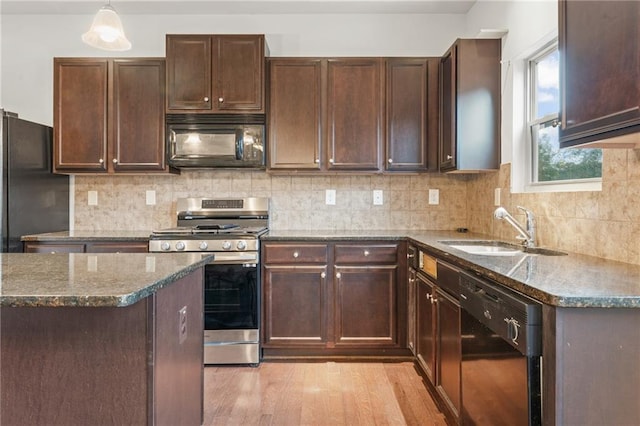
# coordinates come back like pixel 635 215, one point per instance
pixel 239 144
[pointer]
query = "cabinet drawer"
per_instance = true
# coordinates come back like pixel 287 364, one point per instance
pixel 355 253
pixel 295 253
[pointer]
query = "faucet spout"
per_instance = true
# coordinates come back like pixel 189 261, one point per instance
pixel 526 235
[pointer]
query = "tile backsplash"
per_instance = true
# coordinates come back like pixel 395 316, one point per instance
pixel 604 223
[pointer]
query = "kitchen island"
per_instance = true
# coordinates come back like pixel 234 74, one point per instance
pixel 101 338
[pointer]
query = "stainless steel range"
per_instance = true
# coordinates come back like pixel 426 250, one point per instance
pixel 230 228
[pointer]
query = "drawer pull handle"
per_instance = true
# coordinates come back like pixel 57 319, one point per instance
pixel 296 254
pixel 366 252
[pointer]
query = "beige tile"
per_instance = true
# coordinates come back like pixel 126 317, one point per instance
pixel 614 164
pixel 613 201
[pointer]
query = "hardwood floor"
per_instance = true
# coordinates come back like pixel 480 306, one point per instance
pixel 320 393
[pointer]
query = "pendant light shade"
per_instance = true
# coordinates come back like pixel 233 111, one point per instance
pixel 106 31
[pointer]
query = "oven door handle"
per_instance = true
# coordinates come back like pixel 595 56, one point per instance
pixel 234 258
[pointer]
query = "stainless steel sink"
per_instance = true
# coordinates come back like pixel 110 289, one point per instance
pixel 498 248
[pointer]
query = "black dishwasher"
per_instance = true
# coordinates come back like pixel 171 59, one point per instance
pixel 501 355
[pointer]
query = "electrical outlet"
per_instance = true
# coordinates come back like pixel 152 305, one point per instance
pixel 151 198
pixel 434 196
pixel 377 197
pixel 496 197
pixel 330 197
pixel 92 198
pixel 182 325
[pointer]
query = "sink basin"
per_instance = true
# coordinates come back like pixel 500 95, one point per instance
pixel 485 248
pixel 498 248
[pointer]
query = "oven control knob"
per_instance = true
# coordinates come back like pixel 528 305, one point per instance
pixel 165 246
pixel 204 245
pixel 241 245
pixel 180 245
pixel 226 245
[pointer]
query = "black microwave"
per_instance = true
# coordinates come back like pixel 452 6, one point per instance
pixel 216 141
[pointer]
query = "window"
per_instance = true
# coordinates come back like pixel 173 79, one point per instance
pixel 548 163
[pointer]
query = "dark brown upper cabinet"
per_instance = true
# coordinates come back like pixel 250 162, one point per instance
pixel 295 113
pixel 470 104
pixel 599 44
pixel 325 114
pixel 109 115
pixel 215 73
pixel 411 114
pixel 354 113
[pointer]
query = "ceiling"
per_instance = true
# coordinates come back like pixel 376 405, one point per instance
pixel 222 7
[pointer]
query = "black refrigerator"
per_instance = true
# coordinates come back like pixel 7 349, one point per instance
pixel 34 200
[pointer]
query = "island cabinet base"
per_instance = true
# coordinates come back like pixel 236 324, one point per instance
pixel 105 365
pixel 591 366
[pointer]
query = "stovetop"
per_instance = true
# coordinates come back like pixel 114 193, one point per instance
pixel 213 231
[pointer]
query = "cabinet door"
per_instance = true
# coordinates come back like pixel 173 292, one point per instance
pixel 354 103
pixel 600 70
pixel 238 73
pixel 411 310
pixel 80 115
pixel 189 74
pixel 366 306
pixel 426 327
pixel 137 142
pixel 411 118
pixel 449 353
pixel 447 111
pixel 295 306
pixel 295 113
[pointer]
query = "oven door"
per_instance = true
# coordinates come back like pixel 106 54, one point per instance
pixel 230 296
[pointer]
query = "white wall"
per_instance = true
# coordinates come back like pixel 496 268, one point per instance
pixel 30 42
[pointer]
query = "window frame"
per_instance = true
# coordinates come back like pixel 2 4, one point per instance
pixel 531 147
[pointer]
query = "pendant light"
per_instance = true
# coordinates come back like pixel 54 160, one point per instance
pixel 106 31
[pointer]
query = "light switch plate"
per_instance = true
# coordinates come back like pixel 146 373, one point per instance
pixel 377 197
pixel 151 198
pixel 92 198
pixel 330 197
pixel 434 196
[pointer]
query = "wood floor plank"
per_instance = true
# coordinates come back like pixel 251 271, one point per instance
pixel 318 394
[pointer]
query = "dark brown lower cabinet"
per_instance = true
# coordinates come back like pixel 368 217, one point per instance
pixel 295 305
pixel 449 352
pixel 426 327
pixel 352 310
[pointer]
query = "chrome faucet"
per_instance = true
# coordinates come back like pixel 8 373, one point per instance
pixel 528 234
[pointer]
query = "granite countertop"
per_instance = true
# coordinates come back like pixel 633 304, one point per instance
pixel 70 236
pixel 573 280
pixel 89 280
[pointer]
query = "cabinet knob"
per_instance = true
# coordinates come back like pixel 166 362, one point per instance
pixel 449 157
pixel 390 160
pixel 331 160
pixel 101 161
pixel 366 252
pixel 296 254
pixel 221 100
pixel 115 161
pixel 338 275
pixel 206 99
pixel 317 160
pixel 323 275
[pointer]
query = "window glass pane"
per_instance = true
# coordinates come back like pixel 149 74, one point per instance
pixel 554 164
pixel 547 79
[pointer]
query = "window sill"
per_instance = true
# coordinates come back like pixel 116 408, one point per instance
pixel 588 185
